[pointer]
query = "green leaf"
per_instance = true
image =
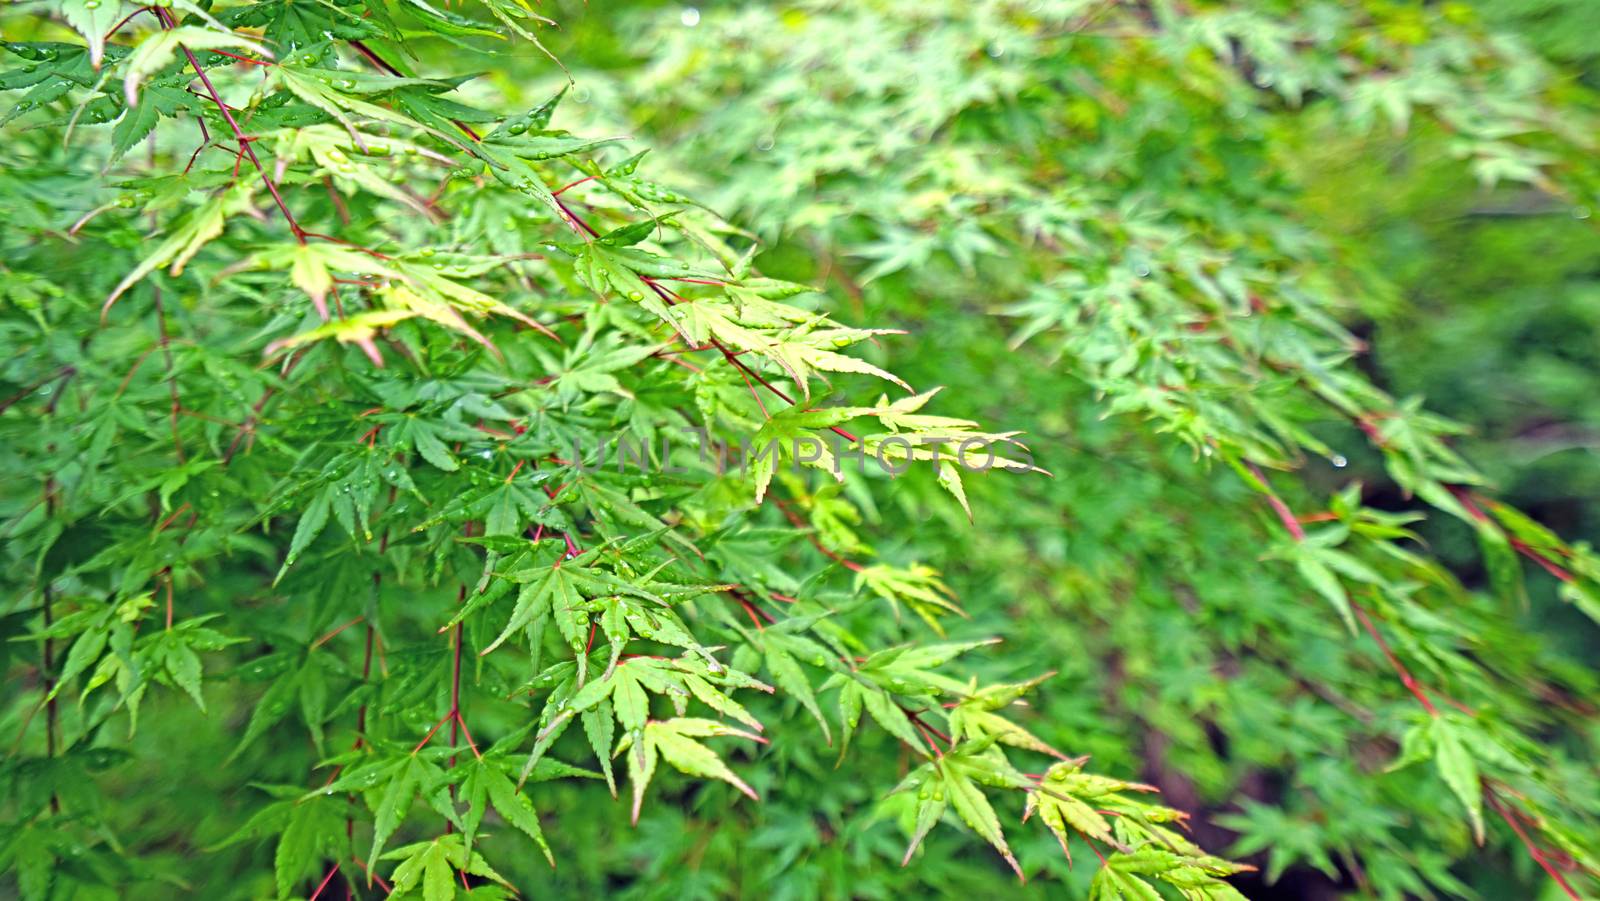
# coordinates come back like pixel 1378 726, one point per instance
pixel 968 801
pixel 312 521
pixel 159 47
pixel 93 19
pixel 394 804
pixel 312 833
pixel 185 240
pixel 788 676
pixel 1316 573
pixel 137 122
pixel 1459 770
pixel 675 740
pixel 517 810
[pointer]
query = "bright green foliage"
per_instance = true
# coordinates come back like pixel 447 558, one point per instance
pixel 467 474
pixel 1135 192
pixel 427 491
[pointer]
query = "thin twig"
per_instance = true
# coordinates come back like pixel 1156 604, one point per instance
pixel 169 23
pixel 1534 850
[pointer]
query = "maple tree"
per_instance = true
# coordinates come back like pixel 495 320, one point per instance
pixel 330 362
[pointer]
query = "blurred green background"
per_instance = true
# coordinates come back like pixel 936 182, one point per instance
pixel 1131 571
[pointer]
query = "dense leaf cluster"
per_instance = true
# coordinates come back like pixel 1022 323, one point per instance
pixel 1120 185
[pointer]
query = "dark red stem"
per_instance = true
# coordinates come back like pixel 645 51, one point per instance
pixel 227 115
pixel 1534 850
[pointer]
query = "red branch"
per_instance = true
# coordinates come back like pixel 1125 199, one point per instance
pixel 796 521
pixel 671 298
pixel 1285 515
pixel 324 883
pixel 1534 851
pixel 167 22
pixel 1292 523
pixel 669 295
pixel 1400 668
pixel 1522 547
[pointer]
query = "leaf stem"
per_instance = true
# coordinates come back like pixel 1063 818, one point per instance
pixel 328 636
pixel 1394 662
pixel 1522 547
pixel 1285 515
pixel 324 883
pixel 169 23
pixel 1534 851
pixel 667 295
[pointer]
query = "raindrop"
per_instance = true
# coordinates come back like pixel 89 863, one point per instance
pixel 1581 212
pixel 996 51
pixel 690 17
pixel 1339 461
pixel 765 143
